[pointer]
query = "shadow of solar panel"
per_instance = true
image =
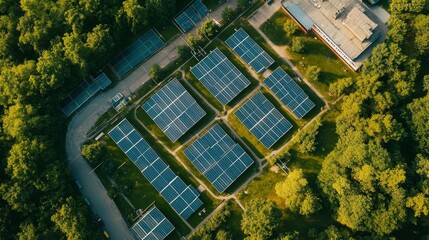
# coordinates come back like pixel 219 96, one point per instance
pixel 289 92
pixel 263 120
pixel 155 170
pixel 218 158
pixel 136 53
pixel 220 77
pixel 173 110
pixel 249 51
pixel 152 225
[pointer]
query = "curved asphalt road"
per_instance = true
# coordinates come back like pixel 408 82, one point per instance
pixel 86 117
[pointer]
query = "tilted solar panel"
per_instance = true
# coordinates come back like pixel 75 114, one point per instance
pixel 152 225
pixel 82 93
pixel 263 120
pixel 136 53
pixel 249 51
pixel 218 158
pixel 155 170
pixel 191 16
pixel 103 81
pixel 173 110
pixel 220 76
pixel 289 92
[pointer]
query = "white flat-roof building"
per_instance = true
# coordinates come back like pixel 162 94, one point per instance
pixel 348 27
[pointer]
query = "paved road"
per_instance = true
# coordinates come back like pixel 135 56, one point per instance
pixel 85 118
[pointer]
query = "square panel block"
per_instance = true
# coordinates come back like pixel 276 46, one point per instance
pixel 152 225
pixel 289 92
pixel 220 76
pixel 249 51
pixel 263 120
pixel 218 158
pixel 173 110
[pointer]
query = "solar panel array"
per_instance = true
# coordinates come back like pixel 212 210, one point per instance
pixel 136 53
pixel 289 92
pixel 249 51
pixel 103 81
pixel 174 110
pixel 218 158
pixel 152 225
pixel 87 89
pixel 263 120
pixel 192 15
pixel 220 76
pixel 183 199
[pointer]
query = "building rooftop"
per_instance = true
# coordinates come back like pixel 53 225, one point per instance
pixel 347 26
pixel 359 24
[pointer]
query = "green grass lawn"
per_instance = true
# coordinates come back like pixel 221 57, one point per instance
pixel 316 53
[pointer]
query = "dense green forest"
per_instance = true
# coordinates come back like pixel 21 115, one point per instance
pixel 375 181
pixel 46 47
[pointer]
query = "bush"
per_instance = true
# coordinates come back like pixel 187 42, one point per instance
pixel 184 51
pixel 290 27
pixel 340 86
pixel 306 139
pixel 228 14
pixel 94 152
pixel 313 73
pixel 194 42
pixel 208 29
pixel 297 45
pixel 155 72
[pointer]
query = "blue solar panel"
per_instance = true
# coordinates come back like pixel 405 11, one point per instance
pixel 191 15
pixel 82 93
pixel 152 225
pixel 289 92
pixel 136 53
pixel 173 110
pixel 249 51
pixel 218 158
pixel 263 120
pixel 200 8
pixel 103 81
pixel 155 170
pixel 184 22
pixel 220 76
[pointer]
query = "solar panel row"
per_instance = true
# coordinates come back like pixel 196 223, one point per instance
pixel 218 158
pixel 82 93
pixel 249 51
pixel 173 110
pixel 192 15
pixel 289 92
pixel 220 76
pixel 136 53
pixel 153 225
pixel 183 199
pixel 103 81
pixel 263 120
